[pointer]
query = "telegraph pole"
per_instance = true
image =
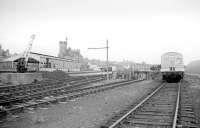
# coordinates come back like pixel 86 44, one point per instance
pixel 106 56
pixel 107 59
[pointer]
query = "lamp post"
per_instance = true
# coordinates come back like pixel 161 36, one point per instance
pixel 106 55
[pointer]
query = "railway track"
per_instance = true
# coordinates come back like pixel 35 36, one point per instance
pixel 42 90
pixel 67 95
pixel 13 88
pixel 160 109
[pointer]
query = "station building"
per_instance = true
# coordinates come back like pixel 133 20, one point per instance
pixel 41 62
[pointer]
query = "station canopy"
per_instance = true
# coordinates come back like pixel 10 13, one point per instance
pixel 32 58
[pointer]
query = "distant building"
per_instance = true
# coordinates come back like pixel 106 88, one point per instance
pixel 94 67
pixel 62 48
pixel 4 53
pixel 67 52
pixel 41 62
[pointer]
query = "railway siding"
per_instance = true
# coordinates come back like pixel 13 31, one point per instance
pixel 16 98
pixel 89 111
pixel 69 94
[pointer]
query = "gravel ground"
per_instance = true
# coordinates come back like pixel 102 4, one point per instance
pixel 55 75
pixel 86 112
pixel 104 82
pixel 194 84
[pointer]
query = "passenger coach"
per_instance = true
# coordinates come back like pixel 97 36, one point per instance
pixel 172 67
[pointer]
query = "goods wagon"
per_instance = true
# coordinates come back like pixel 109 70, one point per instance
pixel 172 67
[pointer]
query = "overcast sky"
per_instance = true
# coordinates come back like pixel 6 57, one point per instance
pixel 137 30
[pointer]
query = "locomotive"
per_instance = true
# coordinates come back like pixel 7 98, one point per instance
pixel 172 67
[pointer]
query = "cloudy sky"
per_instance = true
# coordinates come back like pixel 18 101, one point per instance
pixel 137 30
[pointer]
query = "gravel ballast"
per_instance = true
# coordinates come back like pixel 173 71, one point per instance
pixel 86 112
pixel 194 91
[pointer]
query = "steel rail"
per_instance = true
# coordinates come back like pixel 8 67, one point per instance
pixel 50 82
pixel 138 105
pixel 18 98
pixel 77 93
pixel 177 106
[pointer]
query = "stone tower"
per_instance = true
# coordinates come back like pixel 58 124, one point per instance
pixel 62 48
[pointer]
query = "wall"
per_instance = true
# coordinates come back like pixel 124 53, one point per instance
pixel 20 78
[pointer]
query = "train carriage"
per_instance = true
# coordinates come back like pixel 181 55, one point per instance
pixel 172 67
